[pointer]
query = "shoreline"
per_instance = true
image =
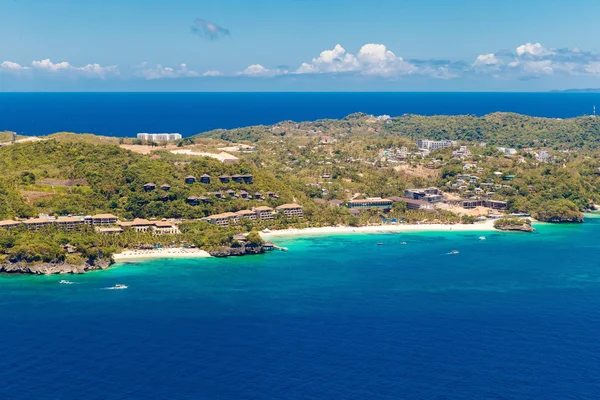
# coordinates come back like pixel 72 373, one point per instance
pixel 340 230
pixel 178 252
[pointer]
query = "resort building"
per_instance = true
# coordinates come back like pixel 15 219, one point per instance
pixel 139 224
pixel 246 214
pixel 223 219
pixel 205 179
pixel 104 220
pixel 374 202
pixel 148 187
pixel 462 152
pixel 159 137
pixel 224 178
pixel 291 210
pixel 434 145
pixel 166 187
pixel 190 179
pixel 327 139
pixel 9 224
pixel 35 224
pixel 165 228
pixel 412 204
pixel 69 223
pixel 264 212
pixel 430 195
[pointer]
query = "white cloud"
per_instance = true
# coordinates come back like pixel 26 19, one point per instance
pixel 330 61
pixel 536 50
pixel 486 60
pixel 593 68
pixel 213 73
pixel 64 68
pixel 372 59
pixel 161 72
pixel 12 66
pixel 258 71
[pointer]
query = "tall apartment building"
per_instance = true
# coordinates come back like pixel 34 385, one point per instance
pixel 159 137
pixel 435 144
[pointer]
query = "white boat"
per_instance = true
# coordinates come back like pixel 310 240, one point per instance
pixel 118 287
pixel 403 243
pixel 65 282
pixel 453 252
pixel 481 237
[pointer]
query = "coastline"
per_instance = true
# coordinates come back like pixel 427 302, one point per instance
pixel 340 230
pixel 179 252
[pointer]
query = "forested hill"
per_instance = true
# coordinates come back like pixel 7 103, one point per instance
pixel 501 129
pixel 80 178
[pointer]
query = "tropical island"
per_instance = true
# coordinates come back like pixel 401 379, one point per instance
pixel 70 203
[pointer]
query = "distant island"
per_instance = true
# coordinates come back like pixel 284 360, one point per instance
pixel 88 201
pixel 584 90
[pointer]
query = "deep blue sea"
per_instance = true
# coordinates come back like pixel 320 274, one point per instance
pixel 516 316
pixel 126 114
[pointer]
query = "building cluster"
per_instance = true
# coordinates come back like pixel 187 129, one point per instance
pixel 435 144
pixel 67 223
pixel 262 213
pixel 462 152
pixel 395 154
pixel 159 137
pixel 223 195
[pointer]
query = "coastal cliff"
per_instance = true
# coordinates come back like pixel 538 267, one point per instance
pixel 236 251
pixel 51 268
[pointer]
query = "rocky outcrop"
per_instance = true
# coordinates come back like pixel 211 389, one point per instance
pixel 236 251
pixel 516 228
pixel 561 220
pixel 50 268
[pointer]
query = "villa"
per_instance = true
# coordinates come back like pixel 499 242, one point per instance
pixel 264 212
pixel 291 210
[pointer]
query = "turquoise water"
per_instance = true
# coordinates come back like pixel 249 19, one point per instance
pixel 513 317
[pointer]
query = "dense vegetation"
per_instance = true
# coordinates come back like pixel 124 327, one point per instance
pixel 309 163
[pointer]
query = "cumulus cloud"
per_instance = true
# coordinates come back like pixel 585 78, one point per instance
pixel 161 72
pixel 372 59
pixel 64 68
pixel 258 71
pixel 486 60
pixel 12 66
pixel 536 50
pixel 209 30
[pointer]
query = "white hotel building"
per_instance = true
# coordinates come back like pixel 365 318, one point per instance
pixel 159 137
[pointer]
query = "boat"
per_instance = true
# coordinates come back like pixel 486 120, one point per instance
pixel 403 243
pixel 118 286
pixel 65 282
pixel 481 237
pixel 453 252
pixel 379 244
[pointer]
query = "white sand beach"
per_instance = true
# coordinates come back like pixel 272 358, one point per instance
pixel 128 255
pixel 339 230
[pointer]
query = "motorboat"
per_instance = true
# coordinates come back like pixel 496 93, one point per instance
pixel 482 238
pixel 403 243
pixel 453 252
pixel 118 287
pixel 65 282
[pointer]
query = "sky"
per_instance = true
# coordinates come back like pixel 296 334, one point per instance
pixel 299 45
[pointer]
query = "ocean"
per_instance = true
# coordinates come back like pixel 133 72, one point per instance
pixel 515 316
pixel 126 114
